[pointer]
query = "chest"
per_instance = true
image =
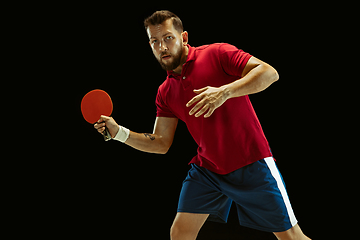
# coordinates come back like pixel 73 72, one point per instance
pixel 195 75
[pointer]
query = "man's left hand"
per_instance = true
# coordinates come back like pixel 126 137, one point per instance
pixel 209 99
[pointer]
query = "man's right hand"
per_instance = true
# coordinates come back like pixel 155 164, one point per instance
pixel 109 122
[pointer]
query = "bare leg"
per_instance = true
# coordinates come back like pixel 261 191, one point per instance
pixel 186 226
pixel 293 233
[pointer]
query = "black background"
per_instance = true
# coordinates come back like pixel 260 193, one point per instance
pixel 88 187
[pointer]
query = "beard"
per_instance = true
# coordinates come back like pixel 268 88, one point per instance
pixel 173 62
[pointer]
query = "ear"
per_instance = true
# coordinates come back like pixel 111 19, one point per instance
pixel 185 37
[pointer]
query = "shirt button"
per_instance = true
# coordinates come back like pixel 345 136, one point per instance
pixel 184 77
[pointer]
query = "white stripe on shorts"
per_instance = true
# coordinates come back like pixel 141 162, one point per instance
pixel 275 173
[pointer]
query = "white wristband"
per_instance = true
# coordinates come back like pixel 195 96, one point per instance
pixel 122 135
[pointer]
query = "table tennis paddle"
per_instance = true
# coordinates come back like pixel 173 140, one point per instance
pixel 94 104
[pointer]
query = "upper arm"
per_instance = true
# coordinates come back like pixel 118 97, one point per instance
pixel 253 63
pixel 165 128
pixel 232 59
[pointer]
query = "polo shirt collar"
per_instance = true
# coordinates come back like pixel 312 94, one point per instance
pixel 191 57
pixel 191 54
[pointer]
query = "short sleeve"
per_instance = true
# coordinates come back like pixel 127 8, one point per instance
pixel 162 109
pixel 233 60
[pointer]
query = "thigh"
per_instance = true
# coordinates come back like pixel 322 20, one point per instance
pixel 261 199
pixel 200 195
pixel 189 222
pixel 187 225
pixel 293 233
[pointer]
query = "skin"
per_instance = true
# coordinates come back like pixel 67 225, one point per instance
pixel 167 45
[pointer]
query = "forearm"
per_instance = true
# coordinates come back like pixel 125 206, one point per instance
pixel 158 142
pixel 146 142
pixel 257 80
pixel 256 76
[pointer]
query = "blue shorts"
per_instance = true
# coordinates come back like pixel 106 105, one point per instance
pixel 257 190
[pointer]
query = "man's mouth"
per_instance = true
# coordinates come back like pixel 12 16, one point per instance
pixel 166 57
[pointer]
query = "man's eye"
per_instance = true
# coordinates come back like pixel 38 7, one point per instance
pixel 169 37
pixel 153 41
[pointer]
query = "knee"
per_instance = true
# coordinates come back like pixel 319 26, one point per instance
pixel 180 232
pixel 175 232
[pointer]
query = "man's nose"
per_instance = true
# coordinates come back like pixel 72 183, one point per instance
pixel 163 46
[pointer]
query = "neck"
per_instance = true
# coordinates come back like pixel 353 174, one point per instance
pixel 183 60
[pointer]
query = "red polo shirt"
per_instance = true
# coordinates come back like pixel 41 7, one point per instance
pixel 232 136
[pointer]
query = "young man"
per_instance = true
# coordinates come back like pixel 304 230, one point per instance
pixel 207 87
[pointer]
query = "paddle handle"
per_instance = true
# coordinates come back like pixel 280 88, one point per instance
pixel 106 134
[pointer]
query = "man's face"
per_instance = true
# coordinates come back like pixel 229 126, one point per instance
pixel 167 44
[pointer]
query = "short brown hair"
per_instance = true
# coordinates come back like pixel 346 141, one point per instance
pixel 159 17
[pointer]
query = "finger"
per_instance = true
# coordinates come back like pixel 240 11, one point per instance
pixel 194 100
pixel 202 111
pixel 101 130
pixel 198 97
pixel 197 107
pixel 198 91
pixel 208 114
pixel 103 118
pixel 99 125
